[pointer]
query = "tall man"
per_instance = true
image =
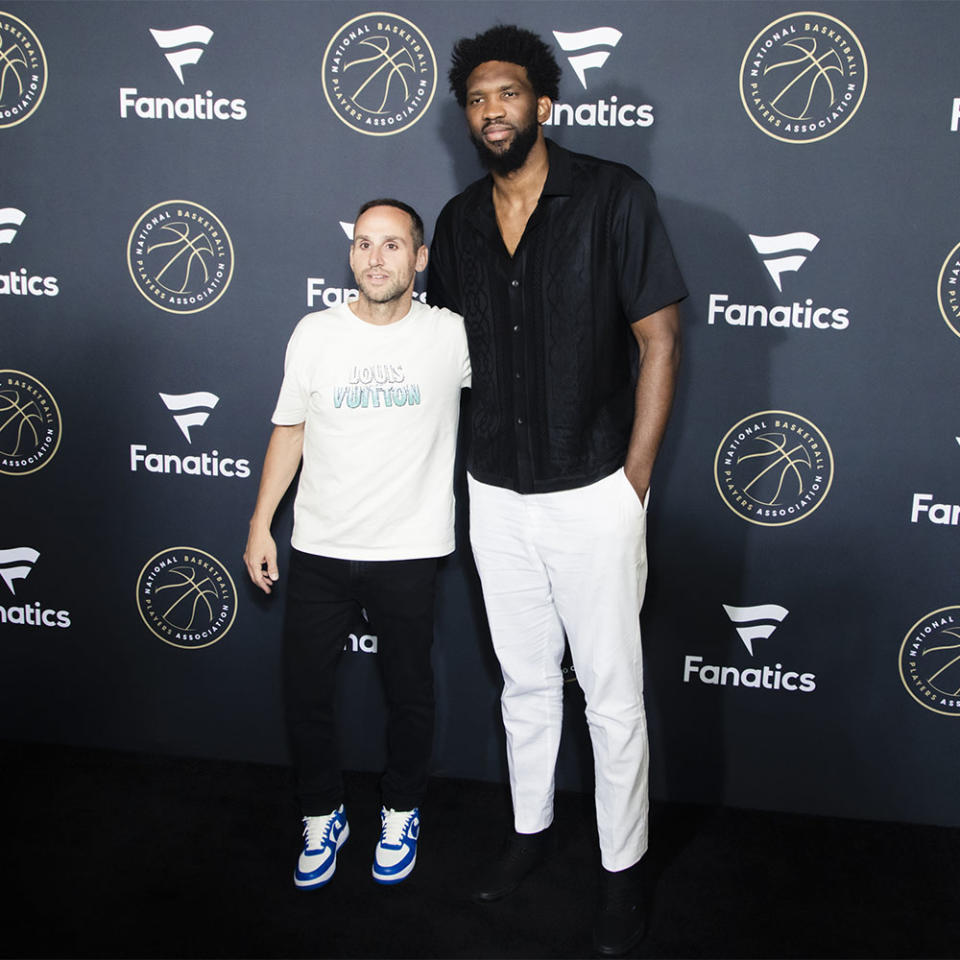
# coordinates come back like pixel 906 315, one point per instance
pixel 369 403
pixel 563 271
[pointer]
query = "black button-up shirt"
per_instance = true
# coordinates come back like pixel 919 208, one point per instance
pixel 551 348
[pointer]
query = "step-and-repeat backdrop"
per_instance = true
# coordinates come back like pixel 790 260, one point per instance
pixel 177 187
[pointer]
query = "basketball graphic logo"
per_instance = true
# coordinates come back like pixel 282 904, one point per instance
pixel 803 77
pixel 948 290
pixel 773 468
pixel 180 256
pixel 30 424
pixel 186 597
pixel 930 661
pixel 379 74
pixel 23 71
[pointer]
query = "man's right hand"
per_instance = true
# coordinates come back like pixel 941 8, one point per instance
pixel 261 553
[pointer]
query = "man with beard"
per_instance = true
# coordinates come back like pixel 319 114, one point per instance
pixel 369 402
pixel 564 274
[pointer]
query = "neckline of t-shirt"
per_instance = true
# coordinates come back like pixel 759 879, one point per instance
pixel 365 324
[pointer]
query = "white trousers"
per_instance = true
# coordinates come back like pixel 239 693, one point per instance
pixel 574 563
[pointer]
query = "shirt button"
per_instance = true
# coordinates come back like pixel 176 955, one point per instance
pixel 519 421
pixel 517 375
pixel 516 328
pixel 514 283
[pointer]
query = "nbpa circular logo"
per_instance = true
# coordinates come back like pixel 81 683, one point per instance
pixel 186 597
pixel 803 77
pixel 30 425
pixel 180 256
pixel 23 71
pixel 773 468
pixel 379 74
pixel 948 290
pixel 930 661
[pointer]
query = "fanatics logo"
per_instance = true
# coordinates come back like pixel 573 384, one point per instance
pixel 20 282
pixel 16 564
pixel 190 410
pixel 11 219
pixel 185 45
pixel 361 643
pixel 758 622
pixel 195 409
pixel 583 40
pixel 778 248
pixel 941 514
pixel 605 112
pixel 781 254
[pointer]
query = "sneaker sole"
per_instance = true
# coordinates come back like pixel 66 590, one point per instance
pixel 314 883
pixel 389 878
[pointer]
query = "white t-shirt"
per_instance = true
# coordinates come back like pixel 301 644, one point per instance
pixel 380 406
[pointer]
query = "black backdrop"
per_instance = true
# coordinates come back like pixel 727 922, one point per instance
pixel 172 200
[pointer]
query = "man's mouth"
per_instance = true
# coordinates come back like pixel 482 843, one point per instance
pixel 496 132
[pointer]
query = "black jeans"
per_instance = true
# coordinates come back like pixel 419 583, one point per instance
pixel 324 600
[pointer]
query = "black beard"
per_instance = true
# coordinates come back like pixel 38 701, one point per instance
pixel 514 157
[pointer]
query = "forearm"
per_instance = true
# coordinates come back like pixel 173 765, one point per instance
pixel 659 339
pixel 279 468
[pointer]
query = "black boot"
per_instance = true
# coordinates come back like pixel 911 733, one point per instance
pixel 522 853
pixel 622 918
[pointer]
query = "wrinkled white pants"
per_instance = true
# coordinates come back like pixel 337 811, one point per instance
pixel 570 562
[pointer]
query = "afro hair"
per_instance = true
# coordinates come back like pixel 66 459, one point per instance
pixel 512 45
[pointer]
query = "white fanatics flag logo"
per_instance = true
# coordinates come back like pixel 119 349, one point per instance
pixel 186 45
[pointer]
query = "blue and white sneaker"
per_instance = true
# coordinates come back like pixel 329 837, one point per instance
pixel 322 838
pixel 396 852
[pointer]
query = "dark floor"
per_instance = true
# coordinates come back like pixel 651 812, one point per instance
pixel 119 855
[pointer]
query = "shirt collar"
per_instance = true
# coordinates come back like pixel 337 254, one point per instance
pixel 559 183
pixel 560 174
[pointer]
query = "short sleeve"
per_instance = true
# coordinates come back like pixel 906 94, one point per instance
pixel 442 285
pixel 292 402
pixel 649 276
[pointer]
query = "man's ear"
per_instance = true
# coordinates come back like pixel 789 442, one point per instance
pixel 544 106
pixel 423 255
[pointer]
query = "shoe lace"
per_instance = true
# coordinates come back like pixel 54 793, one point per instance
pixel 394 824
pixel 316 830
